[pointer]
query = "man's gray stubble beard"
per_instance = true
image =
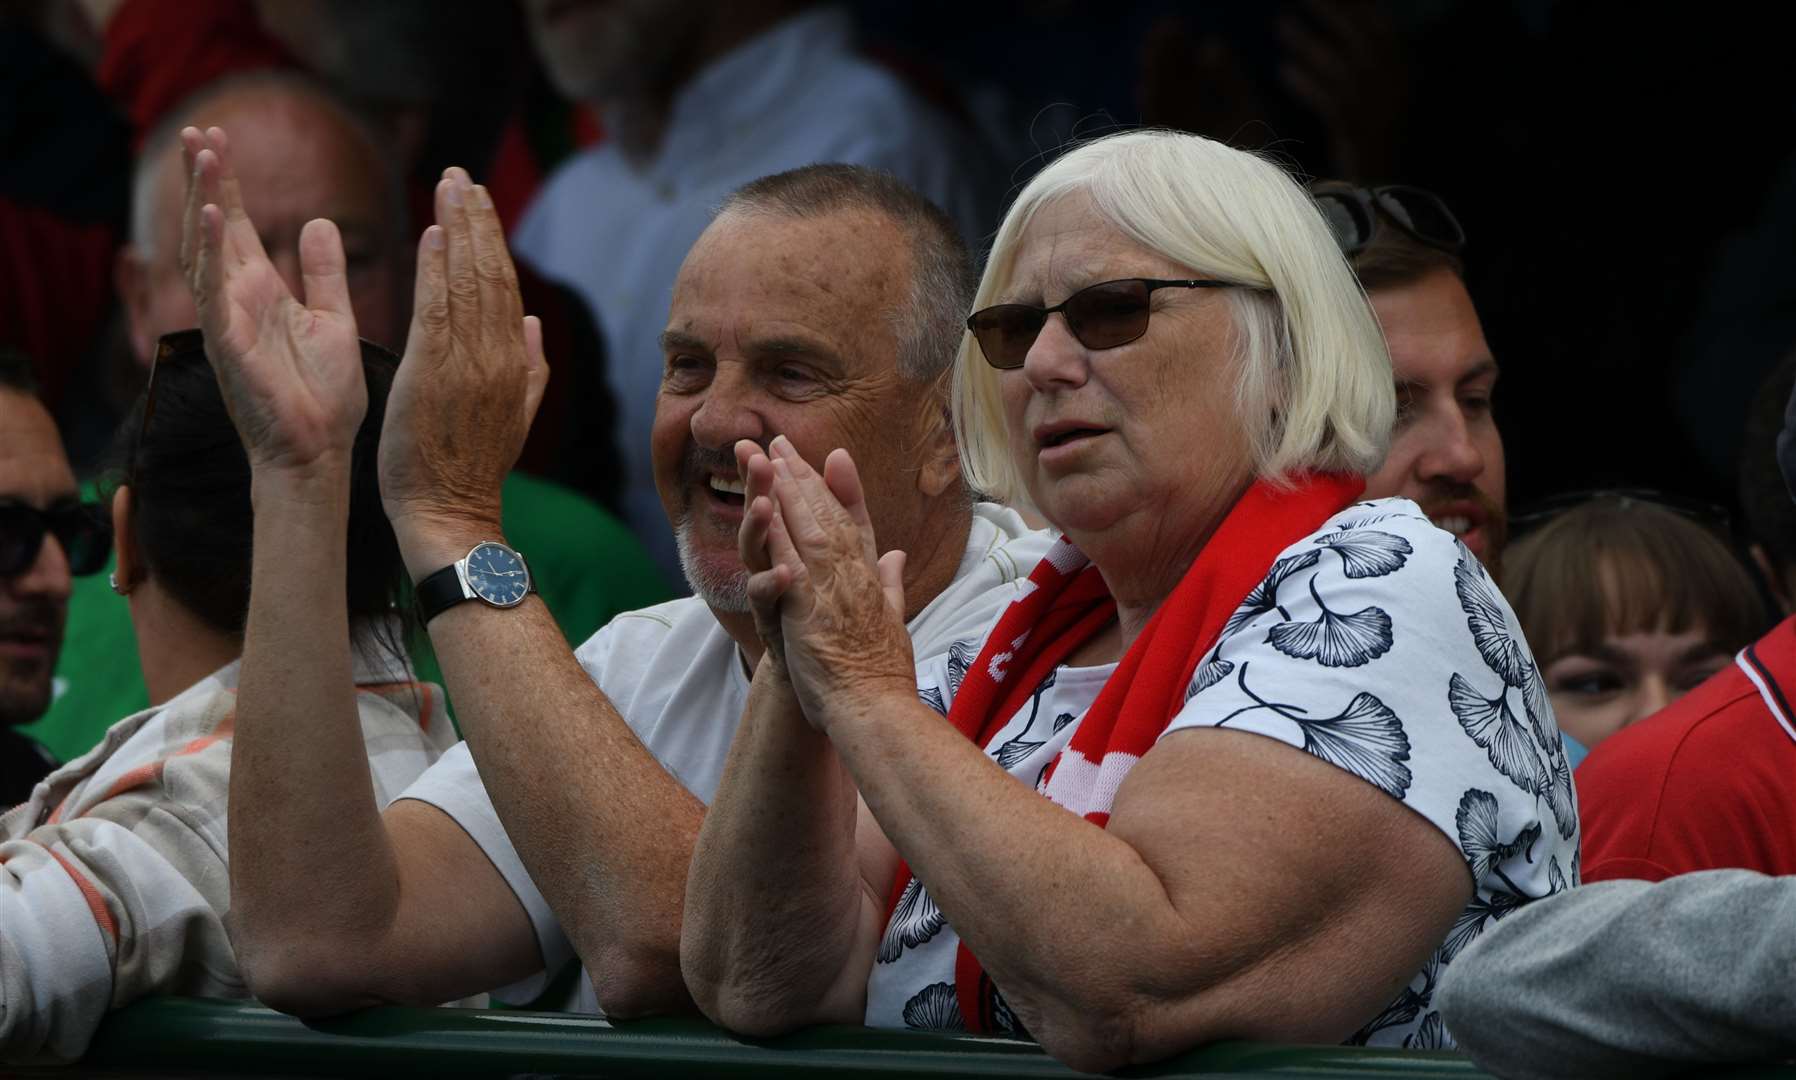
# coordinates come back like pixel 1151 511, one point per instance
pixel 722 592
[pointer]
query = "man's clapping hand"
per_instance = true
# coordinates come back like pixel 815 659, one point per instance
pixel 290 368
pixel 469 385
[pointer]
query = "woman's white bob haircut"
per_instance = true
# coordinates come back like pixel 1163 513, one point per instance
pixel 1315 386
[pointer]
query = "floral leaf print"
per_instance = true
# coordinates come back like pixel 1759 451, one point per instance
pixel 1372 514
pixel 1555 877
pixel 1366 739
pixel 1431 1035
pixel 1484 616
pixel 915 920
pixel 1264 596
pixel 934 1008
pixel 1015 751
pixel 932 697
pixel 1062 720
pixel 1335 640
pixel 1004 1017
pixel 1207 675
pixel 1538 707
pixel 1403 1008
pixel 1492 725
pixel 1020 746
pixel 1484 848
pixel 961 655
pixel 1556 786
pixel 1367 553
pixel 1471 922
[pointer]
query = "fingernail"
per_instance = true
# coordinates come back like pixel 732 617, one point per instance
pixel 434 237
pixel 779 445
pixel 481 197
pixel 454 193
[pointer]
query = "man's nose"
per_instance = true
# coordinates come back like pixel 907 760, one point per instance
pixel 731 411
pixel 1451 454
pixel 48 574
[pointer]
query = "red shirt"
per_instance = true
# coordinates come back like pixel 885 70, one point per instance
pixel 1707 783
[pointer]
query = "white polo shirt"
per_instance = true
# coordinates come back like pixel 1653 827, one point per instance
pixel 677 679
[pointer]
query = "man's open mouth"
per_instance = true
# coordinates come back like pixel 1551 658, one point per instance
pixel 727 490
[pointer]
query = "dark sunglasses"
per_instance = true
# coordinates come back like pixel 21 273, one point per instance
pixel 189 346
pixel 1100 316
pixel 1709 515
pixel 1353 215
pixel 80 528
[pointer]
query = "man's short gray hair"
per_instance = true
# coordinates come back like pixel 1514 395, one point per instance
pixel 929 327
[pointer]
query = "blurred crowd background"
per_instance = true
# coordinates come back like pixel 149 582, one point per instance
pixel 1626 173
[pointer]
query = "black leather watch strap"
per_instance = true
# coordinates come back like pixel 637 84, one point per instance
pixel 438 593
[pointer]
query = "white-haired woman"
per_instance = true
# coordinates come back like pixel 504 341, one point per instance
pixel 1250 760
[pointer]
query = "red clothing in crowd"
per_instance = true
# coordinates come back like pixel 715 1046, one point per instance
pixel 157 54
pixel 1708 783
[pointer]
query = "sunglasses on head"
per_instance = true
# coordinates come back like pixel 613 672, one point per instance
pixel 1100 316
pixel 1709 515
pixel 80 528
pixel 188 346
pixel 1353 215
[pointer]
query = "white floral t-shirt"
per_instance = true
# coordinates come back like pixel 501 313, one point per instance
pixel 1379 644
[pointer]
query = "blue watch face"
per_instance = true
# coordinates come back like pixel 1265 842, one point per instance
pixel 497 575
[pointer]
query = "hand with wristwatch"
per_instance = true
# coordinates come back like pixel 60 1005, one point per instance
pixel 459 411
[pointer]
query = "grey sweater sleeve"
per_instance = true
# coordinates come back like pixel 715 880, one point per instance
pixel 1629 978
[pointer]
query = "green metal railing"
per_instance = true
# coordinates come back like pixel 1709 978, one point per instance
pixel 171 1037
pixel 176 1037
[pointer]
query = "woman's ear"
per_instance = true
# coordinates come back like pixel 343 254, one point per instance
pixel 938 456
pixel 129 571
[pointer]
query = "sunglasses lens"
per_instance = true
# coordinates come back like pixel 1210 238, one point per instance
pixel 1423 214
pixel 1107 315
pixel 21 532
pixel 1347 221
pixel 85 539
pixel 1005 333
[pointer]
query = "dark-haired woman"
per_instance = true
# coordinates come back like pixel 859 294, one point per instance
pixel 114 877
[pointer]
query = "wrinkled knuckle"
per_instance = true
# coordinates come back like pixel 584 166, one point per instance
pixel 433 315
pixel 491 268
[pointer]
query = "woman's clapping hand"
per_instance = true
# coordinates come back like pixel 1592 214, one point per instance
pixel 827 605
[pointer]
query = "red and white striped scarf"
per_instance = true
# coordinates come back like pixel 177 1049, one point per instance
pixel 1065 603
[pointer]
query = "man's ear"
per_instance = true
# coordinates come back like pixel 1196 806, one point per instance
pixel 129 571
pixel 131 276
pixel 938 455
pixel 1777 583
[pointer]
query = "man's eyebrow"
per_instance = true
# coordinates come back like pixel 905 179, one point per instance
pixel 676 341
pixel 789 346
pixel 1486 368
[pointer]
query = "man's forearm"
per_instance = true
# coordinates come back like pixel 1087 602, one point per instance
pixel 605 832
pixel 777 912
pixel 311 860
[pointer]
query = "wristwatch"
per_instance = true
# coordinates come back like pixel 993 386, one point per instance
pixel 490 572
